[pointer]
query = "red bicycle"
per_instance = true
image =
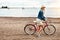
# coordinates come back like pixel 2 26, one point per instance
pixel 48 29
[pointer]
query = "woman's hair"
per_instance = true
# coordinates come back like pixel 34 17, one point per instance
pixel 42 7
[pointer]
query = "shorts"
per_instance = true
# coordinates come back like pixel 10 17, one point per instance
pixel 39 22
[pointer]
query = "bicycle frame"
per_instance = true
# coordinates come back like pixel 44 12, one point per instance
pixel 38 28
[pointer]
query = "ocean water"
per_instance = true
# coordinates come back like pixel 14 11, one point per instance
pixel 29 12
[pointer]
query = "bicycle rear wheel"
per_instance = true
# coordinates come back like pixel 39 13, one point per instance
pixel 29 29
pixel 49 30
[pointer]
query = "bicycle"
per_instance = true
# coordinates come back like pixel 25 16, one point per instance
pixel 48 29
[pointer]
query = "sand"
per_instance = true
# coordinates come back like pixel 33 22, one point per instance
pixel 12 28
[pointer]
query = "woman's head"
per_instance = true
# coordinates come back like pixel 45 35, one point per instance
pixel 43 7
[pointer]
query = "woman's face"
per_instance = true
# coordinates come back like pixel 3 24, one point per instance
pixel 43 9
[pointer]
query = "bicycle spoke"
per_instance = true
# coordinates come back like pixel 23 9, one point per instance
pixel 30 29
pixel 49 30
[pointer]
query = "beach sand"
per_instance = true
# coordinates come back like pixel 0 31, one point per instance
pixel 12 28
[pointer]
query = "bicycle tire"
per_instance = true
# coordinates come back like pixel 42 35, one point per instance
pixel 29 30
pixel 53 27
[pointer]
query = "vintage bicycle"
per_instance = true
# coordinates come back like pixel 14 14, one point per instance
pixel 49 29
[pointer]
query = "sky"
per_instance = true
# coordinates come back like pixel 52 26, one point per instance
pixel 30 3
pixel 53 12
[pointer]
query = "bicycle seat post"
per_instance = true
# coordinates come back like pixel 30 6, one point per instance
pixel 35 22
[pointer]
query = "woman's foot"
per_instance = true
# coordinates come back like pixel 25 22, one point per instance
pixel 37 34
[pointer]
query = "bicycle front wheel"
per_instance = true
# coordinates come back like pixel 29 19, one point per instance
pixel 49 30
pixel 29 29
